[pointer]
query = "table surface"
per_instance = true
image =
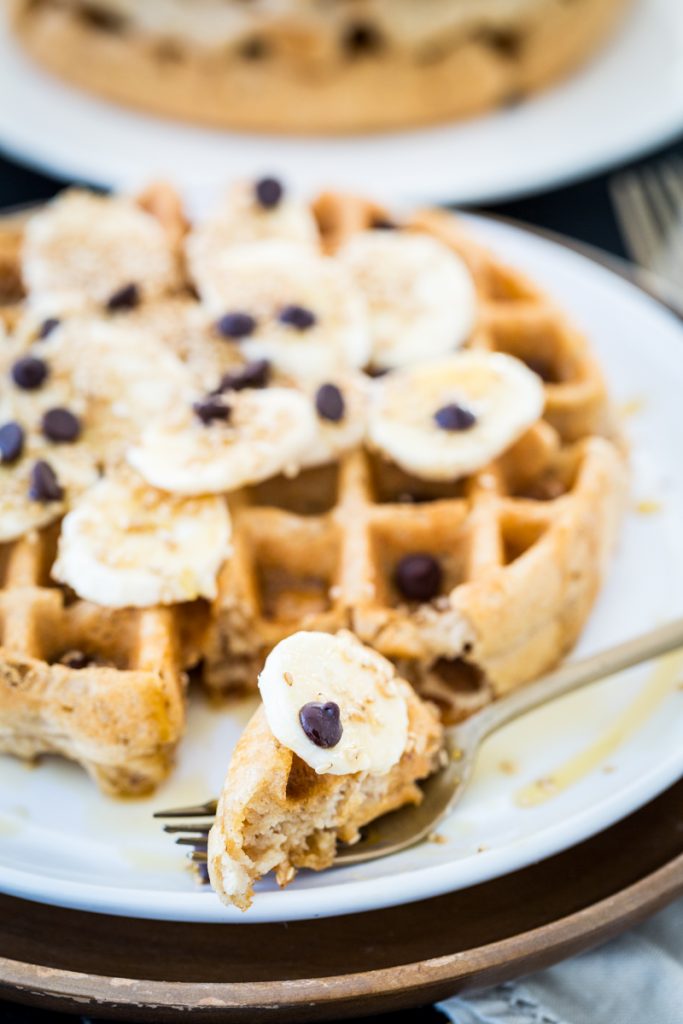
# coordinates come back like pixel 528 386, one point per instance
pixel 582 211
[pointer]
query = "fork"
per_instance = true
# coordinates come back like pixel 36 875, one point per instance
pixel 408 826
pixel 648 204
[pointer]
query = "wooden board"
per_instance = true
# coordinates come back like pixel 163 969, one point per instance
pixel 347 966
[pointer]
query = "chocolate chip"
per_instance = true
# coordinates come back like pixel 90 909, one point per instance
pixel 210 409
pixel 383 224
pixel 29 373
pixel 253 375
pixel 75 659
pixel 378 371
pixel 542 368
pixel 127 297
pixel 60 425
pixel 329 403
pixel 253 49
pixel 454 417
pixel 297 316
pixel 268 192
pixel 47 327
pixel 321 723
pixel 361 37
pixel 44 485
pixel 236 325
pixel 11 442
pixel 419 577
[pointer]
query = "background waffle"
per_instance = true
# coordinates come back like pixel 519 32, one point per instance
pixel 319 551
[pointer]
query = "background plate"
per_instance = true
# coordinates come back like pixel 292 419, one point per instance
pixel 65 844
pixel 629 98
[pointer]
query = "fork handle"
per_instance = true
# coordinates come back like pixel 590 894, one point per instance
pixel 577 674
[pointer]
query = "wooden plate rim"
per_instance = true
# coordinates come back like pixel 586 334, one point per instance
pixel 546 944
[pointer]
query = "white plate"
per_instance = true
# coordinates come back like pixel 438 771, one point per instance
pixel 63 843
pixel 629 98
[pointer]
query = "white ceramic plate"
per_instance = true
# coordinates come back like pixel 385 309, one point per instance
pixel 629 98
pixel 62 842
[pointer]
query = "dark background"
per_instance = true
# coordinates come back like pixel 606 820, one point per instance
pixel 582 211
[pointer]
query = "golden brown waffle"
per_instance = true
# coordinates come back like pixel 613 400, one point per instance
pixel 324 68
pixel 122 714
pixel 523 542
pixel 276 814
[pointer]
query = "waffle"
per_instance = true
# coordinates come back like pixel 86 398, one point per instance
pixel 276 814
pixel 313 67
pixel 121 714
pixel 524 541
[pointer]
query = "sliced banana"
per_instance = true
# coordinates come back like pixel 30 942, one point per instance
pixel 484 402
pixel 240 219
pixel 421 297
pixel 341 408
pixel 282 287
pixel 126 375
pixel 125 544
pixel 82 249
pixel 264 433
pixel 336 703
pixel 72 470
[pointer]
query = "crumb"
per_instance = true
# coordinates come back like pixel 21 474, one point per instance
pixel 608 769
pixel 436 837
pixel 482 848
pixel 508 767
pixel 456 754
pixel 632 406
pixel 648 507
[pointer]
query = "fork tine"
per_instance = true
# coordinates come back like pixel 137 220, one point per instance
pixel 198 844
pixel 635 221
pixel 199 811
pixel 188 827
pixel 199 857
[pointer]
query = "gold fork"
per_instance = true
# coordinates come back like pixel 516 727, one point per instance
pixel 410 825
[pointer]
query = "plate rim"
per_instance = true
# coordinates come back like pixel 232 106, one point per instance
pixel 270 906
pixel 429 979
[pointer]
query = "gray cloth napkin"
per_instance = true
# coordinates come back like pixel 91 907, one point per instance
pixel 634 979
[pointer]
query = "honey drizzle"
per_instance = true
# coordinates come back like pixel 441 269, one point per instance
pixel 663 681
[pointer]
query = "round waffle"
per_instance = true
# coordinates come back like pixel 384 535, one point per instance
pixel 305 66
pixel 522 541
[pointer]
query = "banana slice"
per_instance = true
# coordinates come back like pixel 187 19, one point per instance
pixel 127 545
pixel 42 482
pixel 449 417
pixel 341 407
pixel 296 308
pixel 84 249
pixel 242 218
pixel 336 703
pixel 124 373
pixel 421 296
pixel 226 442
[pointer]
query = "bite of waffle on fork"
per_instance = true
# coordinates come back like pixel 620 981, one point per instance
pixel 522 543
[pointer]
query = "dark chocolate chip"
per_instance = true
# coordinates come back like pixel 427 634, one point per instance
pixel 211 409
pixel 383 224
pixel 268 192
pixel 127 297
pixel 321 723
pixel 75 659
pixel 454 417
pixel 44 485
pixel 361 38
pixel 61 425
pixel 103 21
pixel 419 577
pixel 29 373
pixel 329 403
pixel 47 327
pixel 11 442
pixel 253 375
pixel 378 371
pixel 236 325
pixel 297 316
pixel 254 49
